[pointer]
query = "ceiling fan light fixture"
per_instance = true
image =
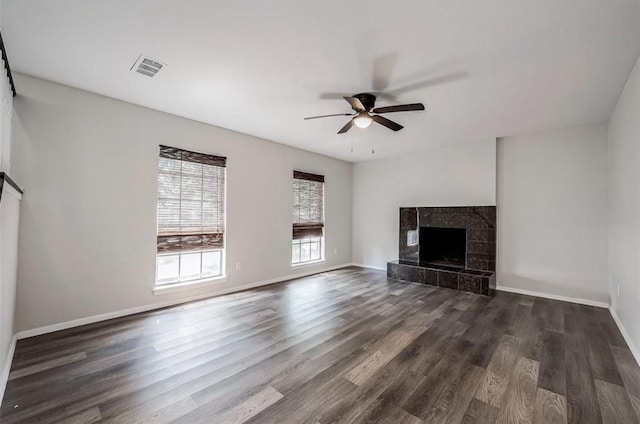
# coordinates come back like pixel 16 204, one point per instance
pixel 363 120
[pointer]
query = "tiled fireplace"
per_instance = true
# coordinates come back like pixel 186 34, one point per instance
pixel 453 247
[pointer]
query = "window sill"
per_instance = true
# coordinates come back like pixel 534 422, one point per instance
pixel 307 264
pixel 189 285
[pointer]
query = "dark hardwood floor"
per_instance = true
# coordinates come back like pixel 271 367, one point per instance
pixel 347 346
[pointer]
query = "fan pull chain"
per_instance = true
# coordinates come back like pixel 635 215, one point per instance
pixel 373 150
pixel 351 143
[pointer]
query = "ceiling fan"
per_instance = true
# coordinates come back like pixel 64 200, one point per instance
pixel 364 106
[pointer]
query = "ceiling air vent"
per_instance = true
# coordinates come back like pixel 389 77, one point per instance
pixel 147 66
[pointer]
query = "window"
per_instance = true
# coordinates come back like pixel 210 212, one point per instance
pixel 190 216
pixel 308 218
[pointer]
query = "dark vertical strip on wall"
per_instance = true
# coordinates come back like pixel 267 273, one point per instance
pixel 6 65
pixel 4 177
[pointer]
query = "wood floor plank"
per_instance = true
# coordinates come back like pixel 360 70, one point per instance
pixel 345 346
pixel 492 331
pixel 551 314
pixel 243 384
pixel 159 415
pixel 393 415
pixel 248 409
pixel 397 390
pixel 360 404
pixel 635 402
pixel 496 378
pixel 451 404
pixel 435 385
pixel 397 292
pixel 609 327
pixel 600 357
pixel 321 398
pixel 349 352
pixel 392 345
pixel 479 412
pixel 582 400
pixel 90 416
pixel 552 372
pixel 519 401
pixel 550 408
pixel 614 404
pixel 532 339
pixel 47 365
pixel 630 374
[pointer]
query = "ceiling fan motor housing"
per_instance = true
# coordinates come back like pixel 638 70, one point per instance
pixel 368 100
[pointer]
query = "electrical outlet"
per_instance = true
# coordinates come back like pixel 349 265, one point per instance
pixel 238 266
pixel 335 252
pixel 618 290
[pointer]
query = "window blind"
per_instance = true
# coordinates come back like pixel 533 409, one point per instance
pixel 190 200
pixel 308 205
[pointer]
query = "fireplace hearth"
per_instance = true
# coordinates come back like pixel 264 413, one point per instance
pixel 453 247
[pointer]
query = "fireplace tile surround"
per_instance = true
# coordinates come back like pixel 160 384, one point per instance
pixel 478 275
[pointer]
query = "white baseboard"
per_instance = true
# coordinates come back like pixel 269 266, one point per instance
pixel 634 350
pixel 554 297
pixel 6 368
pixel 118 314
pixel 370 267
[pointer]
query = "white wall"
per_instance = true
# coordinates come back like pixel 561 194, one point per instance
pixel 9 216
pixel 456 175
pixel 624 209
pixel 88 165
pixel 552 213
pixel 9 221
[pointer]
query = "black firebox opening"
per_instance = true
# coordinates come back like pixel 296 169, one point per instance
pixel 443 246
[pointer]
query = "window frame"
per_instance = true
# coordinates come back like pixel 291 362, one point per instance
pixel 181 283
pixel 309 239
pixel 186 280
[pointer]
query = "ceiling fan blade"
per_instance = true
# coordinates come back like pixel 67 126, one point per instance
pixel 333 95
pixel 454 76
pixel 327 116
pixel 383 70
pixel 387 123
pixel 355 103
pixel 347 127
pixel 399 108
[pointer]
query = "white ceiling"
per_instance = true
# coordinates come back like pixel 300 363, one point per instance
pixel 483 68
